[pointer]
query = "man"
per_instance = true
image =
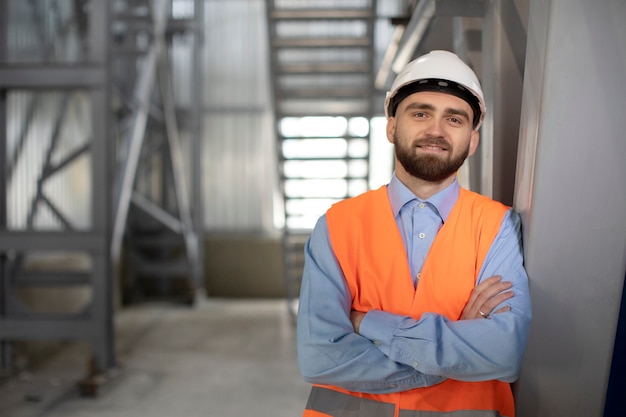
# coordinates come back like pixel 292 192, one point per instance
pixel 414 298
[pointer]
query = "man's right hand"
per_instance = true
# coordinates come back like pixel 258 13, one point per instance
pixel 485 297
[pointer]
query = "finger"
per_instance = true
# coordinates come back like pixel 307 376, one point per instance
pixel 491 286
pixel 487 308
pixel 486 283
pixel 478 297
pixel 501 310
pixel 482 294
pixel 483 286
pixel 492 295
pixel 495 301
pixel 488 315
pixel 498 311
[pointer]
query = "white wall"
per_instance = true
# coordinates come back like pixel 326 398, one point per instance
pixel 239 165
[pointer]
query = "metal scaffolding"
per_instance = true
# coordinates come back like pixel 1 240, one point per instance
pixel 54 124
pixel 153 226
pixel 93 183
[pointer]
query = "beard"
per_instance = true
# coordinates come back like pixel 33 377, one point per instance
pixel 429 167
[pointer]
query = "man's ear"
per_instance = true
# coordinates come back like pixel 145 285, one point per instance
pixel 474 140
pixel 391 129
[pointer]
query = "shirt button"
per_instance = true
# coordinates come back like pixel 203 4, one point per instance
pixel 422 235
pixel 415 364
pixel 377 342
pixel 421 205
pixel 418 275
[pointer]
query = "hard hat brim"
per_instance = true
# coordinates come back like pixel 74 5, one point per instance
pixel 437 85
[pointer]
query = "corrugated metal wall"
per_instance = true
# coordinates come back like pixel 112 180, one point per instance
pixel 44 127
pixel 239 148
pixel 239 156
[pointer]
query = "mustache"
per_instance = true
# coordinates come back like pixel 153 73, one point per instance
pixel 435 141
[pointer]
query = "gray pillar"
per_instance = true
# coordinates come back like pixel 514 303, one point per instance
pixel 5 354
pixel 503 41
pixel 196 141
pixel 571 191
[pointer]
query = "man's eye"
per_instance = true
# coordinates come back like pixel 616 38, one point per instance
pixel 456 120
pixel 420 114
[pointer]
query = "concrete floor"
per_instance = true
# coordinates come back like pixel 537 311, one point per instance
pixel 226 358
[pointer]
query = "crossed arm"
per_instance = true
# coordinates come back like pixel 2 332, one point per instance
pixel 380 352
pixel 483 301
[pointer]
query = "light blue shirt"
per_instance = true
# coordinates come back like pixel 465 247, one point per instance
pixel 395 353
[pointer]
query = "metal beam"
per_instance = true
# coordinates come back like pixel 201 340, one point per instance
pixel 157 213
pixel 5 347
pixel 144 90
pixel 407 40
pixel 18 76
pixel 464 8
pixel 51 241
pixel 420 20
pixel 48 329
pixel 176 158
pixel 53 279
pixel 197 191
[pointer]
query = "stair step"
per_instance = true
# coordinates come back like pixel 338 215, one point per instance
pixel 357 68
pixel 320 14
pixel 323 42
pixel 162 268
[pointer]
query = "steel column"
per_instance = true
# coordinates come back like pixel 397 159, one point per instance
pixel 197 123
pixel 502 85
pixel 5 357
pixel 571 194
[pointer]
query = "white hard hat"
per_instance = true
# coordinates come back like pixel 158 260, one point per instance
pixel 438 71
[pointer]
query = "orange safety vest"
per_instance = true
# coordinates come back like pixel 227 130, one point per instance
pixel 368 245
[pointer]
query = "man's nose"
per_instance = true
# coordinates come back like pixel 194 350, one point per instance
pixel 435 127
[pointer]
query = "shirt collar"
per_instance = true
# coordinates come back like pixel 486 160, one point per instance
pixel 443 201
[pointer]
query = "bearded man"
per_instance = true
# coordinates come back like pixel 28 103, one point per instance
pixel 414 298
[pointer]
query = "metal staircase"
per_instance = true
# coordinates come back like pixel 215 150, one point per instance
pixel 322 61
pixel 328 62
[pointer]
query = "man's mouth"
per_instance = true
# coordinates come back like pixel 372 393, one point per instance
pixel 432 147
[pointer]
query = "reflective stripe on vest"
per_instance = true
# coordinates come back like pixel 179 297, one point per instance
pixel 338 404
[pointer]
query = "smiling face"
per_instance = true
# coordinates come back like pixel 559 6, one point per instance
pixel 432 133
